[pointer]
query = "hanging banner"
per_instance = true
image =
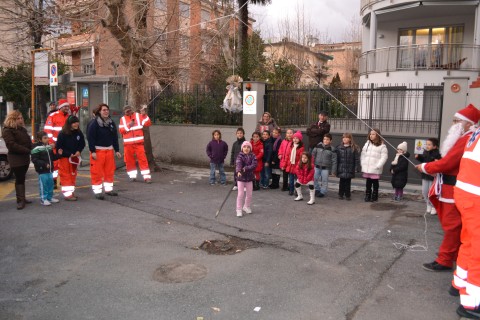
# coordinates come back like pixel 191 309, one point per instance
pixel 41 69
pixel 250 102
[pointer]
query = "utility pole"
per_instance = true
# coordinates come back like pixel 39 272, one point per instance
pixel 32 105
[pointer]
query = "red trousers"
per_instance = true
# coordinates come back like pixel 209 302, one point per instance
pixel 132 150
pixel 467 275
pixel 68 176
pixel 102 170
pixel 452 226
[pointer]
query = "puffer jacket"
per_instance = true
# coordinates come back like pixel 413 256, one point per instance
pixel 276 147
pixel 42 155
pixel 400 171
pixel 305 174
pixel 267 151
pixel 245 164
pixel 325 156
pixel 348 161
pixel 283 152
pixel 19 146
pixel 292 168
pixel 373 158
pixel 257 150
pixel 236 148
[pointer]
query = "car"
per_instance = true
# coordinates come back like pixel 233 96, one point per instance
pixel 5 170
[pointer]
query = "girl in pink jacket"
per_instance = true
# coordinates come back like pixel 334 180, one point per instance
pixel 283 156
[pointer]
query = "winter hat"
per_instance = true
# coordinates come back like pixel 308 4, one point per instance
pixel 63 103
pixel 247 144
pixel 403 146
pixel 469 113
pixel 298 134
pixel 72 119
pixel 127 108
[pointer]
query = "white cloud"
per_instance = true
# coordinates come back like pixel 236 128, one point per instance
pixel 326 16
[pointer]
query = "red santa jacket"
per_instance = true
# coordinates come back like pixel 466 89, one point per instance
pixel 292 168
pixel 54 124
pixel 446 170
pixel 133 134
pixel 257 149
pixel 305 174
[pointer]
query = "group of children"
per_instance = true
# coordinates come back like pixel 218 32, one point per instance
pixel 267 156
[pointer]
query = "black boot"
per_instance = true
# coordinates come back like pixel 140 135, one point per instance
pixel 375 195
pixel 256 185
pixel 20 191
pixel 275 181
pixel 368 195
pixel 285 182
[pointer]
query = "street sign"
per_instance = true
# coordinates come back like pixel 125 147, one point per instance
pixel 53 75
pixel 250 102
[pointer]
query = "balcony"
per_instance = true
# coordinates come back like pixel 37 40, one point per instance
pixel 462 57
pixel 366 3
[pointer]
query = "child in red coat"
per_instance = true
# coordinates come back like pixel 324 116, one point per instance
pixel 257 149
pixel 292 159
pixel 305 173
pixel 283 156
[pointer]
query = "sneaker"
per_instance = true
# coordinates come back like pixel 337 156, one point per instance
pixel 454 291
pixel 45 202
pixel 247 210
pixel 71 198
pixel 235 188
pixel 239 213
pixel 436 267
pixel 54 200
pixel 433 211
pixel 99 196
pixel 468 313
pixel 111 193
pixel 148 181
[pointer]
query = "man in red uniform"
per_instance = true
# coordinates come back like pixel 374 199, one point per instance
pixel 131 128
pixel 466 278
pixel 441 192
pixel 53 126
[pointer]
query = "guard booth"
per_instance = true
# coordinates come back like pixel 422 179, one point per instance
pixel 90 91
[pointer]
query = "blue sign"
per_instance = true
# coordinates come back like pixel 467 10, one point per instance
pixel 85 92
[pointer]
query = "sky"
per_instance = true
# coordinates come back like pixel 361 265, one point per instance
pixel 330 17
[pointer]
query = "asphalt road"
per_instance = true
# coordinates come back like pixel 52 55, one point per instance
pixel 139 256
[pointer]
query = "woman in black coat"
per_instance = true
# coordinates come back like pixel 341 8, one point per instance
pixel 19 146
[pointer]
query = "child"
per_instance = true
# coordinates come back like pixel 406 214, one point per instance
pixel 217 150
pixel 348 162
pixel 257 149
pixel 267 159
pixel 236 148
pixel 373 157
pixel 399 170
pixel 305 173
pixel 246 162
pixel 42 158
pixel 325 159
pixel 275 167
pixel 293 157
pixel 431 153
pixel 283 156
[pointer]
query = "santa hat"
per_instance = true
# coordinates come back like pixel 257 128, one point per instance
pixel 298 134
pixel 247 144
pixel 469 113
pixel 403 146
pixel 63 103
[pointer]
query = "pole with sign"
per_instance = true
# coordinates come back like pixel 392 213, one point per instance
pixel 53 74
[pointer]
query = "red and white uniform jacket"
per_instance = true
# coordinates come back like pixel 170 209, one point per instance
pixel 133 134
pixel 54 124
pixel 468 178
pixel 446 170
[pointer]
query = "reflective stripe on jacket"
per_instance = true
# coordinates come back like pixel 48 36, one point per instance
pixel 133 134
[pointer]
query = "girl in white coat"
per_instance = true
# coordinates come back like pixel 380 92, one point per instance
pixel 373 157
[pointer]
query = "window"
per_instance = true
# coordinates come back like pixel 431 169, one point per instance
pixel 430 48
pixel 87 61
pixel 184 9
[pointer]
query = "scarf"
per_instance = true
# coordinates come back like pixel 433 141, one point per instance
pixel 105 123
pixel 293 154
pixel 395 161
pixel 275 144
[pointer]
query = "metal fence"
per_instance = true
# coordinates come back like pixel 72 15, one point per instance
pixel 399 110
pixel 195 107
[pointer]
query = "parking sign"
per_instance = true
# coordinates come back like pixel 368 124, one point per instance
pixel 53 74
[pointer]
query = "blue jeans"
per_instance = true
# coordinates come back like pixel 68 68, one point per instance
pixel 45 185
pixel 291 181
pixel 321 180
pixel 265 176
pixel 221 170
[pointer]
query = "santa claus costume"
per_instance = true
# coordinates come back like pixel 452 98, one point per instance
pixel 441 192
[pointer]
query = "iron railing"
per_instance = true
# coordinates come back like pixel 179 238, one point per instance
pixel 421 57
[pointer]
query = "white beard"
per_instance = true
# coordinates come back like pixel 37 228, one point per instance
pixel 454 133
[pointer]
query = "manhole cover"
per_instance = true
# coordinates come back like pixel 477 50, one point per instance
pixel 179 272
pixel 231 246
